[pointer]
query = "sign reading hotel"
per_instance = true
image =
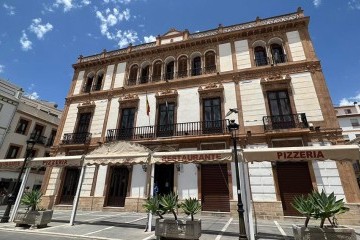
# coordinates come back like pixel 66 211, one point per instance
pixel 300 155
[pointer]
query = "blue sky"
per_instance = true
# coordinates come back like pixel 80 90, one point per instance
pixel 41 39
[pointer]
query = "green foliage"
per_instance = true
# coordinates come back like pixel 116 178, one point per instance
pixel 320 206
pixel 152 205
pixel 169 203
pixel 32 199
pixel 191 206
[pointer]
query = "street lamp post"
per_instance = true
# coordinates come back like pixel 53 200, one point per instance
pixel 232 126
pixel 29 147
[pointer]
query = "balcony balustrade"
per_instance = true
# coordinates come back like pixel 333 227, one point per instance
pixel 169 130
pixel 285 121
pixel 38 138
pixel 77 138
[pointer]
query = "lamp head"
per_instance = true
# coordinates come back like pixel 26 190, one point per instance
pixel 30 142
pixel 233 125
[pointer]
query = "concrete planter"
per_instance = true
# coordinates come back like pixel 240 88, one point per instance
pixel 180 229
pixel 316 233
pixel 34 218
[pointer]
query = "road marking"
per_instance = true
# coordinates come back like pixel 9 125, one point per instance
pixel 97 231
pixel 137 220
pixel 218 237
pixel 280 228
pixel 149 237
pixel 110 216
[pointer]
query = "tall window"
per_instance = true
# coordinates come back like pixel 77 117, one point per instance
pixel 210 62
pixel 196 66
pixel 166 119
pixel 83 123
pixel 280 109
pixel 260 56
pixel 212 115
pixel 133 75
pixel 99 81
pixel 277 52
pixel 156 75
pixel 89 82
pixel 22 126
pixel 354 122
pixel 13 152
pixel 144 78
pixel 37 134
pixel 182 67
pixel 51 139
pixel 127 123
pixel 170 70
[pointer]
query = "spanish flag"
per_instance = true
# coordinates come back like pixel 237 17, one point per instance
pixel 147 105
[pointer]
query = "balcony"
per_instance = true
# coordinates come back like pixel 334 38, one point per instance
pixel 285 122
pixel 38 138
pixel 77 138
pixel 170 130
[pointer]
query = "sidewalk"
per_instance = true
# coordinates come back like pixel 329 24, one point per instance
pixel 130 226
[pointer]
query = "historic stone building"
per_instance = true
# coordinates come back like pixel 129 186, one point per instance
pixel 175 94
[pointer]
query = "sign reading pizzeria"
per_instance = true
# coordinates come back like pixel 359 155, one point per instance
pixel 300 155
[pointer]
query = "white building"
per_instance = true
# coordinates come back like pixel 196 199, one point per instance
pixel 20 119
pixel 349 120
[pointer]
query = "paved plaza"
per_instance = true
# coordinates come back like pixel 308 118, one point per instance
pixel 131 226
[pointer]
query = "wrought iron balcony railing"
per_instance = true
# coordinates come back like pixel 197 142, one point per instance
pixel 77 138
pixel 285 121
pixel 38 138
pixel 169 130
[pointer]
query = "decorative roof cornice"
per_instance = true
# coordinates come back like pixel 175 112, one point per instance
pixel 218 34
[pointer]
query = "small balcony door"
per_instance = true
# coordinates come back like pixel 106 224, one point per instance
pixel 212 115
pixel 127 123
pixel 280 109
pixel 166 120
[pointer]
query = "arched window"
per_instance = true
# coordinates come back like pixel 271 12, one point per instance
pixel 260 56
pixel 144 77
pixel 277 53
pixel 133 74
pixel 156 75
pixel 210 62
pixel 89 82
pixel 196 66
pixel 170 70
pixel 99 81
pixel 182 67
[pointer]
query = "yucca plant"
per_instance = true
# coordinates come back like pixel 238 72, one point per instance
pixel 305 206
pixel 169 203
pixel 327 207
pixel 191 206
pixel 320 206
pixel 32 199
pixel 152 205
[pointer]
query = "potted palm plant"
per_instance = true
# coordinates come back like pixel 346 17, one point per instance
pixel 34 215
pixel 174 228
pixel 324 207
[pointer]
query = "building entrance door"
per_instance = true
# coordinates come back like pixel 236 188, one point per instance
pixel 118 186
pixel 164 179
pixel 215 188
pixel 70 184
pixel 294 180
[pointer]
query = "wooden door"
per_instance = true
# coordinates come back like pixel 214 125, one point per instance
pixel 293 179
pixel 118 186
pixel 70 184
pixel 215 188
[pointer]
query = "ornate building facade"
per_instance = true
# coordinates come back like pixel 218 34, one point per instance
pixel 175 94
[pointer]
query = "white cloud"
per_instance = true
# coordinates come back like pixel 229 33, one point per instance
pixel 350 100
pixel 66 4
pixel 26 44
pixel 354 4
pixel 110 19
pixel 32 95
pixel 150 38
pixel 39 29
pixel 124 38
pixel 2 68
pixel 317 3
pixel 9 9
